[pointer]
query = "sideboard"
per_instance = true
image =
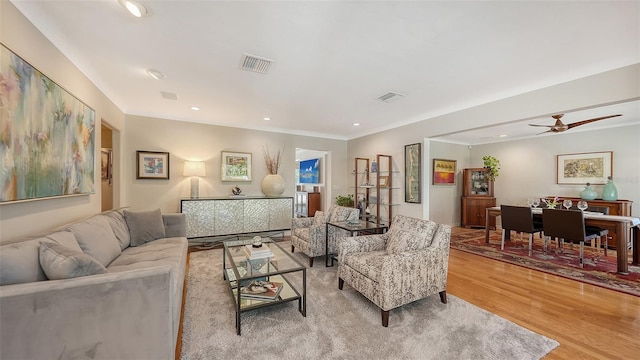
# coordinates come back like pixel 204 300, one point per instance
pixel 217 216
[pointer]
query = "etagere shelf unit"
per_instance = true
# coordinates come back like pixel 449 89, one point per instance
pixel 374 188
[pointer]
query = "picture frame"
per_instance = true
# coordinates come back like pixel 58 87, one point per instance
pixel 444 172
pixel 153 165
pixel 412 173
pixel 235 166
pixel 582 168
pixel 383 180
pixel 105 163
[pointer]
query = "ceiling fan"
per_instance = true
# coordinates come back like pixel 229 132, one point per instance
pixel 559 126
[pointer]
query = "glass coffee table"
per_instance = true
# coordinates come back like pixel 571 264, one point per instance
pixel 362 227
pixel 237 266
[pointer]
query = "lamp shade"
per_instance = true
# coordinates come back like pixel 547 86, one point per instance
pixel 194 168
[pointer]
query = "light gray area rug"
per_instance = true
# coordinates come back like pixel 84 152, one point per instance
pixel 342 324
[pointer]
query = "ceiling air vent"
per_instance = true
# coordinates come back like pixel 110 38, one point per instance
pixel 169 95
pixel 255 63
pixel 390 97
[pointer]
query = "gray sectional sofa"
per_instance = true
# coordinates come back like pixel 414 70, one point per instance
pixel 108 287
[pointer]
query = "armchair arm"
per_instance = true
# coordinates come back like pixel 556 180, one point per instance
pixel 365 243
pixel 297 223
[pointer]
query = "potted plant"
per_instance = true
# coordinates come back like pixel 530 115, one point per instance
pixel 493 165
pixel 345 200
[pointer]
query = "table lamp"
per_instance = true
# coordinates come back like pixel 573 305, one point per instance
pixel 195 169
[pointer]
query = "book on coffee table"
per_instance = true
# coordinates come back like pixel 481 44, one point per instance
pixel 263 290
pixel 257 253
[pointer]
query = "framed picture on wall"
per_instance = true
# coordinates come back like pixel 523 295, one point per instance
pixel 235 166
pixel 152 165
pixel 444 172
pixel 412 171
pixel 105 163
pixel 594 168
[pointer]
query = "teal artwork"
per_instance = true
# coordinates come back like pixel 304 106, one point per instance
pixel 47 135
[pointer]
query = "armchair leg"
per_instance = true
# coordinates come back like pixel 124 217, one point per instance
pixel 340 283
pixel 310 262
pixel 385 318
pixel 292 248
pixel 443 296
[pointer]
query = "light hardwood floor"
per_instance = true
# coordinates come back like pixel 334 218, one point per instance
pixel 588 321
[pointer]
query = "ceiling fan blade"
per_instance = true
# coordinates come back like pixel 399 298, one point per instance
pixel 540 125
pixel 544 132
pixel 578 123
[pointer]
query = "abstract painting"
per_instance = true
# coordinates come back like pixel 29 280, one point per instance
pixel 444 172
pixel 310 171
pixel 412 171
pixel 152 165
pixel 235 166
pixel 47 135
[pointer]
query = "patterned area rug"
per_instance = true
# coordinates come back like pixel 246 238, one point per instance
pixel 598 269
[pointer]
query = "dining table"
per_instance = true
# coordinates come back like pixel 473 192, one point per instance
pixel 624 227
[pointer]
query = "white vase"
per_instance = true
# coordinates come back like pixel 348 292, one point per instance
pixel 273 185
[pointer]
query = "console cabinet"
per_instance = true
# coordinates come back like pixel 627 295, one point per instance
pixel 307 203
pixel 477 191
pixel 208 217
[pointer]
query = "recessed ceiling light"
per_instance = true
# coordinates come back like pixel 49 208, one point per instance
pixel 156 74
pixel 356 124
pixel 267 118
pixel 195 108
pixel 134 8
pixel 503 135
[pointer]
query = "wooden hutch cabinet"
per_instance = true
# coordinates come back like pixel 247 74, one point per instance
pixel 477 196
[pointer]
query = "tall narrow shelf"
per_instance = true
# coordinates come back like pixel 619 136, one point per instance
pixel 374 189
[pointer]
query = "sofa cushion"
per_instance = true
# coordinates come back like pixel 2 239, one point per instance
pixel 144 226
pixel 302 233
pixel 319 218
pixel 367 263
pixel 62 262
pixel 96 238
pixel 65 238
pixel 119 226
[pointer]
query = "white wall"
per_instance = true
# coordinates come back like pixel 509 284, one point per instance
pixel 26 218
pixel 193 141
pixel 528 167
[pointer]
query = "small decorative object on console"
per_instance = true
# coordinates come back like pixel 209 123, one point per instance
pixel 236 190
pixel 257 242
pixel 610 192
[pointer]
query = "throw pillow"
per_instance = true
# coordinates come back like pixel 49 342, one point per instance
pixel 319 218
pixel 403 240
pixel 96 238
pixel 60 262
pixel 144 226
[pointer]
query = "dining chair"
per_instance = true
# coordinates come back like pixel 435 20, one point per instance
pixel 567 225
pixel 603 234
pixel 518 219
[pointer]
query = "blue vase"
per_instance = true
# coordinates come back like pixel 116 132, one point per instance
pixel 588 193
pixel 609 192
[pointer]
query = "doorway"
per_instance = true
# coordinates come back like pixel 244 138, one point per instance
pixel 316 175
pixel 106 166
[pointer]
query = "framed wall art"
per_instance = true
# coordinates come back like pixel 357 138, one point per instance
pixel 594 168
pixel 384 181
pixel 444 172
pixel 412 171
pixel 48 136
pixel 235 166
pixel 152 165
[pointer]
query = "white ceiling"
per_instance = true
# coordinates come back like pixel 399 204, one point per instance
pixel 334 58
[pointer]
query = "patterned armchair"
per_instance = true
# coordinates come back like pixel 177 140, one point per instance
pixel 406 264
pixel 308 234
